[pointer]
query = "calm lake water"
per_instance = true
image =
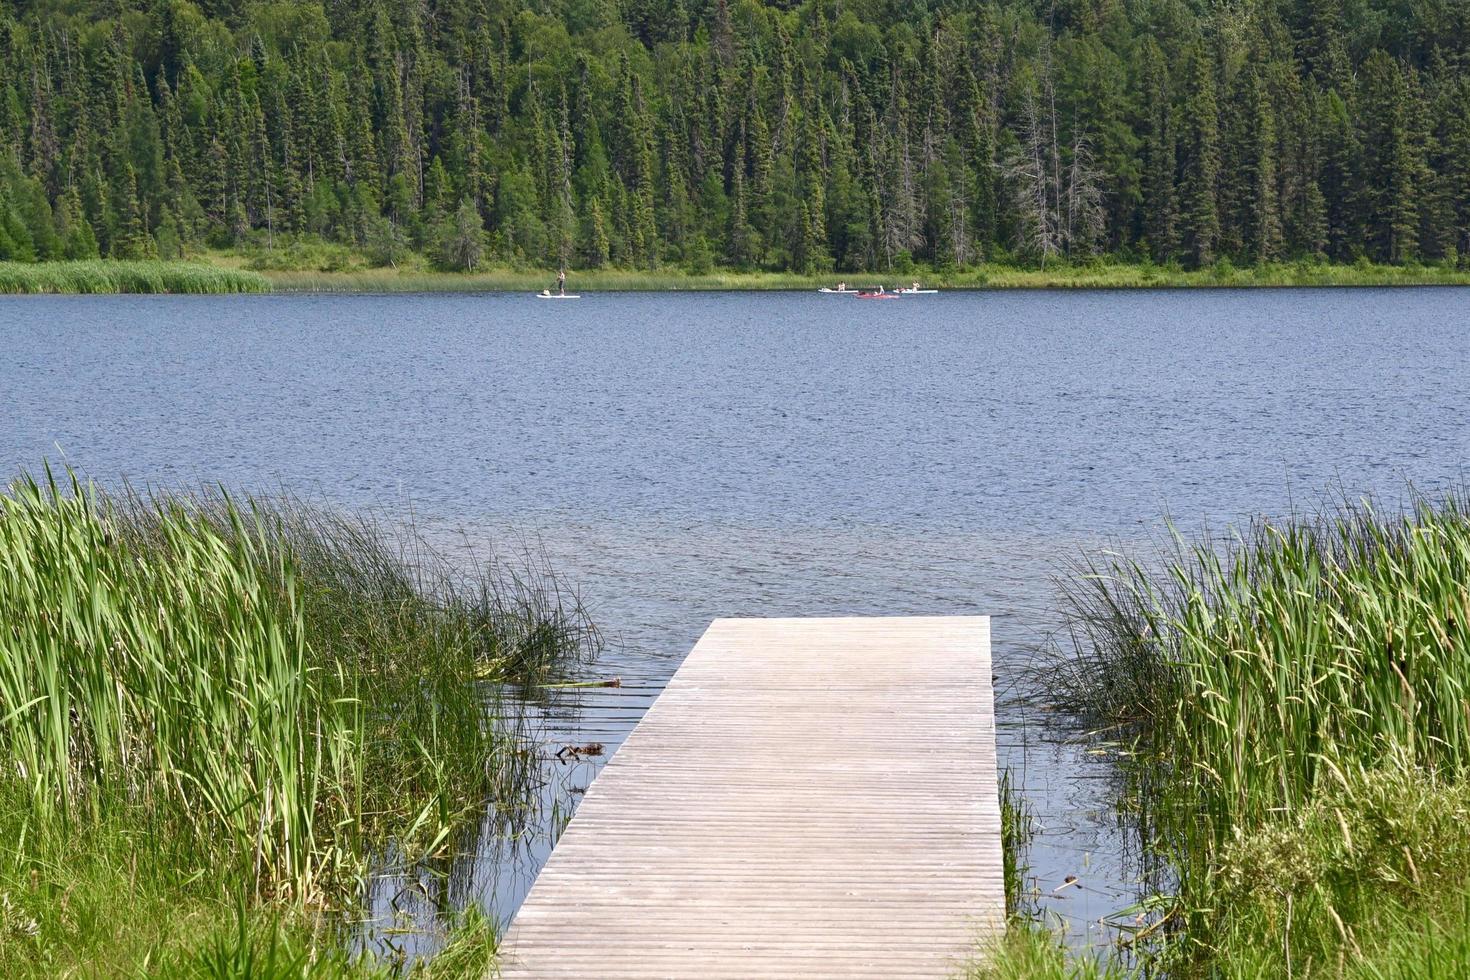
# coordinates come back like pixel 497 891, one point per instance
pixel 682 457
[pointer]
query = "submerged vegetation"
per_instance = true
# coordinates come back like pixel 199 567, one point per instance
pixel 145 276
pixel 215 713
pixel 1293 704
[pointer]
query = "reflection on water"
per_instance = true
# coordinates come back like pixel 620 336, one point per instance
pixel 493 863
pixel 662 587
pixel 684 457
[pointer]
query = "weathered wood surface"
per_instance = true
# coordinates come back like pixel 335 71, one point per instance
pixel 807 797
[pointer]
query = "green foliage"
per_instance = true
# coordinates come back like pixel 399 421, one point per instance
pixel 118 687
pixel 1292 700
pixel 1031 952
pixel 333 273
pixel 1272 664
pixel 774 137
pixel 97 276
pixel 462 239
pixel 249 699
pixel 59 902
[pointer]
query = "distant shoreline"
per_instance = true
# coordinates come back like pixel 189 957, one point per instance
pixel 210 275
pixel 1103 276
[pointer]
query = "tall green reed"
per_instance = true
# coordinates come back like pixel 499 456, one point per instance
pixel 1294 662
pixel 263 683
pixel 130 276
pixel 169 677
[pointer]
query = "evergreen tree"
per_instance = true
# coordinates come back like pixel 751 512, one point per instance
pixel 133 240
pixel 1264 231
pixel 462 243
pixel 1391 160
pixel 1340 181
pixel 596 248
pixel 1199 215
pixel 796 135
pixel 1160 210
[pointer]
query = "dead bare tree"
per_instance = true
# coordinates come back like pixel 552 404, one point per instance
pixel 959 209
pixel 1029 171
pixel 1086 217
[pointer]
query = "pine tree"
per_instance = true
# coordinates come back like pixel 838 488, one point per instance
pixel 1391 160
pixel 1199 216
pixel 1160 208
pixel 79 241
pixel 797 134
pixel 133 240
pixel 596 249
pixel 463 242
pixel 16 244
pixel 1265 219
pixel 812 255
pixel 1340 179
pixel 1457 163
pixel 1323 48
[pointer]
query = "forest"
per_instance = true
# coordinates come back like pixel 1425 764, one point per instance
pixel 802 135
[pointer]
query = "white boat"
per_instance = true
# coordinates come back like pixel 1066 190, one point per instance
pixel 557 296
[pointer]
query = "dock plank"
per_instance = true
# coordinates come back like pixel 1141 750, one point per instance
pixel 806 797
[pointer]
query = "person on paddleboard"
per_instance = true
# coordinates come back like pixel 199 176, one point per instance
pixel 561 280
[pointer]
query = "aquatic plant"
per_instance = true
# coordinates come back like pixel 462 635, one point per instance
pixel 1017 828
pixel 1267 666
pixel 1035 950
pixel 118 276
pixel 1294 701
pixel 266 691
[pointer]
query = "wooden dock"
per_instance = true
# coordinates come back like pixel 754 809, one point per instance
pixel 807 797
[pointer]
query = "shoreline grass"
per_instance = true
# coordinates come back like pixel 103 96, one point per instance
pixel 116 276
pixel 990 277
pixel 1294 699
pixel 207 702
pixel 232 272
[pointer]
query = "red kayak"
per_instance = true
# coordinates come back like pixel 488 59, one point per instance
pixel 877 296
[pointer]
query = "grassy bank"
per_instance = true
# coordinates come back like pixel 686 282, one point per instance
pixel 1294 704
pixel 111 276
pixel 213 713
pixel 528 281
pixel 342 271
pixel 1100 276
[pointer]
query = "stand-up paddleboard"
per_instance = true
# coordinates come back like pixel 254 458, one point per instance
pixel 829 289
pixel 916 292
pixel 557 296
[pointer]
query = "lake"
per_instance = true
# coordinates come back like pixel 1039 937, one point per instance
pixel 677 457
